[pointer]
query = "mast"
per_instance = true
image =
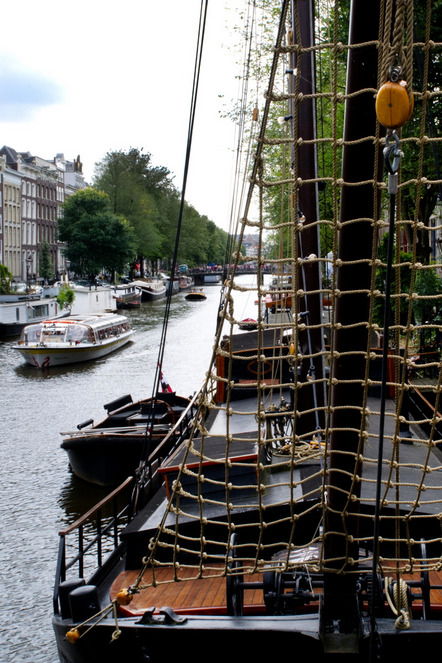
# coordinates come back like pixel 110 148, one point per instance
pixel 305 168
pixel 360 163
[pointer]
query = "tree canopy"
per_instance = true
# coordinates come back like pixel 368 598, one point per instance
pixel 96 238
pixel 6 279
pixel 45 264
pixel 145 195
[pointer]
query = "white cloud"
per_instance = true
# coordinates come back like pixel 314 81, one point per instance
pixel 106 76
pixel 22 92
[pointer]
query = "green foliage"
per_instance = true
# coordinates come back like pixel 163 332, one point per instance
pixel 134 187
pixel 45 264
pixel 402 272
pixel 65 297
pixel 429 153
pixel 96 238
pixel 147 198
pixel 427 284
pixel 5 280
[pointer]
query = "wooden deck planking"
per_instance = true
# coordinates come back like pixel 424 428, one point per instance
pixel 209 593
pixel 190 594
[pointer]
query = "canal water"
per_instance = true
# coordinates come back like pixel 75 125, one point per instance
pixel 40 496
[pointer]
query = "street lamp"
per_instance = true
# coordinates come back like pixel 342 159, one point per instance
pixel 28 270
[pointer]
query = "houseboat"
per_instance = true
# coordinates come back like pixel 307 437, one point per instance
pixel 151 289
pixel 127 295
pixel 20 309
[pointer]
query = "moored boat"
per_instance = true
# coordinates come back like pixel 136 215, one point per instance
pixel 20 309
pixel 185 283
pixel 127 295
pixel 172 284
pixel 108 452
pixel 91 298
pixel 72 340
pixel 151 289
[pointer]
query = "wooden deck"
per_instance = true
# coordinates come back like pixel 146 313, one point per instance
pixel 188 595
pixel 192 595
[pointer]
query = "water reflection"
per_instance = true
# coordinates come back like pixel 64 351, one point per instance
pixel 77 497
pixel 42 495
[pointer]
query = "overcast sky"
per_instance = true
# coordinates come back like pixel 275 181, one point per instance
pixel 95 76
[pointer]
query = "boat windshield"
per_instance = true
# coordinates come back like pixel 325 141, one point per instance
pixel 31 333
pixel 79 334
pixel 62 334
pixel 53 334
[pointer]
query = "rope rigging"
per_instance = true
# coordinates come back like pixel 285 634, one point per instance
pixel 382 485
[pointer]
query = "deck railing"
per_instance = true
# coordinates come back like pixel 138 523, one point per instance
pixel 93 537
pixel 95 530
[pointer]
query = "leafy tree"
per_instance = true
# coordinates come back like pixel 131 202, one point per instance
pixel 430 153
pixel 5 280
pixel 427 284
pixel 45 264
pixel 96 238
pixel 136 189
pixel 65 297
pixel 401 272
pixel 145 195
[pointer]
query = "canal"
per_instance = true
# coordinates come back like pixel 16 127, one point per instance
pixel 40 496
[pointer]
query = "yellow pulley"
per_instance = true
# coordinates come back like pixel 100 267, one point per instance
pixel 394 104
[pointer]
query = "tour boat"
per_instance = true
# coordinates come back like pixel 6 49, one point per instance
pixel 75 339
pixel 298 519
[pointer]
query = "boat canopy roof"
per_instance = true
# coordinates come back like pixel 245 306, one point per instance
pixel 75 328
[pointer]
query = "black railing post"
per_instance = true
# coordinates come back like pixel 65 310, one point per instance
pixel 80 552
pixel 99 547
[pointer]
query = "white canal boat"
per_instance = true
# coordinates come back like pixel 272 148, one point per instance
pixel 72 340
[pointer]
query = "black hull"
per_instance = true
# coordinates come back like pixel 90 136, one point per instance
pixel 11 329
pixel 109 452
pixel 105 461
pixel 260 637
pixel 148 296
pixel 134 303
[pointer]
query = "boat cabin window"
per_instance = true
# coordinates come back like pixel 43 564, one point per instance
pixel 79 334
pixel 37 311
pixel 52 335
pixel 31 333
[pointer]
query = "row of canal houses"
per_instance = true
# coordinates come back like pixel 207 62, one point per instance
pixel 32 191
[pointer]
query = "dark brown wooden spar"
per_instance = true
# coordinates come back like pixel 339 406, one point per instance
pixel 362 161
pixel 304 163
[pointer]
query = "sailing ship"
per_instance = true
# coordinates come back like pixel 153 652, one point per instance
pixel 299 516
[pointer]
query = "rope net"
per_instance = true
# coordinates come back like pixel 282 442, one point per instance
pixel 293 463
